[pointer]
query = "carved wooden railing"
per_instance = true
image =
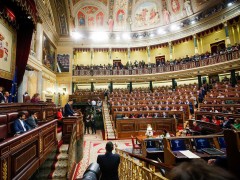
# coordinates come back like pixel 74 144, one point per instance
pixel 73 135
pixel 139 168
pixel 22 155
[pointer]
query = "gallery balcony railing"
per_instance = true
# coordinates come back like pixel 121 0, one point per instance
pixel 162 68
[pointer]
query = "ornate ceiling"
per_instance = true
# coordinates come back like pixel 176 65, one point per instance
pixel 145 21
pixel 133 15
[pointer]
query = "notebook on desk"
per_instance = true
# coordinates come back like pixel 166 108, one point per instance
pixel 212 151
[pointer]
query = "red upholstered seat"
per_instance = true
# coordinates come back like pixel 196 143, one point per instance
pixel 134 145
pixel 11 117
pixel 3 127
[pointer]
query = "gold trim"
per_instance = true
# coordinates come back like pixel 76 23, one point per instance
pixel 40 144
pixel 4 170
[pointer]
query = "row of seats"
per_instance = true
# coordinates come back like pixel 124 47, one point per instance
pixel 6 121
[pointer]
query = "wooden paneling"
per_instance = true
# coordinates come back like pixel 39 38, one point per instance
pixel 23 154
pixel 134 127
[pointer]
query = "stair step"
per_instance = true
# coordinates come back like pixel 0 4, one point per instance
pixel 58 174
pixel 61 164
pixel 62 156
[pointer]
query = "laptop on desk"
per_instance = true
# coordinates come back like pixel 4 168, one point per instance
pixel 212 151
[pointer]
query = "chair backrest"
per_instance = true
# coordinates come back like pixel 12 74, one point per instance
pixel 11 117
pixel 133 143
pixel 3 127
pixel 26 98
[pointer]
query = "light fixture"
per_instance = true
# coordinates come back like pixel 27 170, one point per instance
pixel 174 27
pixel 76 35
pixel 161 31
pixel 29 17
pixel 229 4
pixel 99 36
pixel 117 37
pixel 126 36
pixel 193 22
pixel 152 35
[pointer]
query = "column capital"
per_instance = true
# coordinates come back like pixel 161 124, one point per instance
pixel 194 36
pixel 225 23
pixel 170 43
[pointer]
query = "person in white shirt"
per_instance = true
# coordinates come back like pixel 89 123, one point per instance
pixel 19 125
pixel 94 103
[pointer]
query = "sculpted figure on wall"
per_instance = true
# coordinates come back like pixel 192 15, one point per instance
pixel 187 7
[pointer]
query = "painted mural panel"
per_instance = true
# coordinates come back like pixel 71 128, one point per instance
pixel 146 15
pixel 92 18
pixel 63 61
pixel 7 50
pixel 120 14
pixel 128 15
pixel 48 53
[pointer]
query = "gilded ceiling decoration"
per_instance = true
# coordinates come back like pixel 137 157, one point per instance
pixel 133 15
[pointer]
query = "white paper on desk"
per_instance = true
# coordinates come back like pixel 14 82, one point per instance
pixel 189 154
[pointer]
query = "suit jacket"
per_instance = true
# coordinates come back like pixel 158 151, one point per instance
pixel 68 110
pixel 31 122
pixel 2 99
pixel 17 127
pixel 109 163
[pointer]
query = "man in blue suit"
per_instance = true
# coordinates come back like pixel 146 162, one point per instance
pixel 68 109
pixel 19 125
pixel 109 163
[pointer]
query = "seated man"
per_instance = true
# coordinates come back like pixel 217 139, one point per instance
pixel 32 120
pixel 19 125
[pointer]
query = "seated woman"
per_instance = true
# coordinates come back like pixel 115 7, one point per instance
pixel 215 120
pixel 59 116
pixel 205 119
pixel 35 98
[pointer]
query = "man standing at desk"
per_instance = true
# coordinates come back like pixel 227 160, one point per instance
pixel 109 163
pixel 68 109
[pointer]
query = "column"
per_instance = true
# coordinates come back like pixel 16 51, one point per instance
pixel 129 55
pixel 151 86
pixel 228 42
pixel 111 87
pixel 39 42
pixel 92 55
pixel 110 55
pixel 233 78
pixel 195 44
pixel 92 87
pixel 199 81
pixel 170 50
pixel 149 54
pixel 40 83
pixel 174 84
pixel 130 87
pixel 22 88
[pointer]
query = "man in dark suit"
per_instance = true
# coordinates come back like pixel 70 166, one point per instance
pixel 19 125
pixel 109 163
pixel 2 100
pixel 68 109
pixel 32 120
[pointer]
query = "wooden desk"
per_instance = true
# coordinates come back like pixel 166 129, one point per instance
pixel 173 156
pixel 154 152
pixel 135 127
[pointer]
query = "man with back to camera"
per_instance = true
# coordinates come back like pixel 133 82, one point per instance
pixel 19 125
pixel 68 109
pixel 109 163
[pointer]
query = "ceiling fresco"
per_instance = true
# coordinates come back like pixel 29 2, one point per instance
pixel 133 15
